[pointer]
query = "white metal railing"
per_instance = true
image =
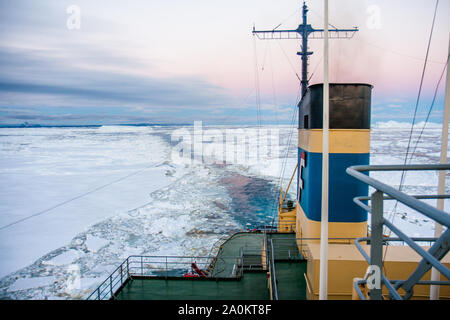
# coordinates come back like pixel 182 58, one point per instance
pixel 430 258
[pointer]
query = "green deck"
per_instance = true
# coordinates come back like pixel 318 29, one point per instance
pixel 251 285
pixel 249 242
pixel 290 280
pixel 284 246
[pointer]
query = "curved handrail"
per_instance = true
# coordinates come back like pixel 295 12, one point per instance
pixel 430 258
pixel 440 216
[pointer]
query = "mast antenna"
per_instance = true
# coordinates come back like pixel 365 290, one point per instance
pixel 303 32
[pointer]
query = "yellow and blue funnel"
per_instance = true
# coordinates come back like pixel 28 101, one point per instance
pixel 349 144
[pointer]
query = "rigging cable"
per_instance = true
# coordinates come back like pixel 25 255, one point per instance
pixel 429 110
pixel 257 94
pixel 292 123
pixel 402 179
pixel 397 53
pixel 283 167
pixel 381 47
pixel 79 196
pixel 418 97
pixel 290 63
pixel 290 16
pixel 274 93
pixel 315 68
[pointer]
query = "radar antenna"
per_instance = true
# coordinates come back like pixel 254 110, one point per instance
pixel 303 32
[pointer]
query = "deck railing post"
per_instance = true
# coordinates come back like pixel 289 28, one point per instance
pixel 376 240
pixel 98 293
pixel 142 266
pixel 121 274
pixel 110 286
pixel 272 272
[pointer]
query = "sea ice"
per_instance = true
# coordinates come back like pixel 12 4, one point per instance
pixel 29 283
pixel 101 194
pixel 64 258
pixel 94 244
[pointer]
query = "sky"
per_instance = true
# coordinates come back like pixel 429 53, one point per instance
pixel 175 61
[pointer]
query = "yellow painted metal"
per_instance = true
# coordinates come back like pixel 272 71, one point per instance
pixel 287 220
pixel 286 217
pixel 287 189
pixel 306 228
pixel 346 263
pixel 340 140
pixel 263 255
pixel 363 289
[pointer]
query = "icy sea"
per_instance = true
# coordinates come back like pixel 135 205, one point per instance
pixel 82 199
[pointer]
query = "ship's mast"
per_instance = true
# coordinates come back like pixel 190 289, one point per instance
pixel 304 53
pixel 303 33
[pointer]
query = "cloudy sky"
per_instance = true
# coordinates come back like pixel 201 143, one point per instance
pixel 176 61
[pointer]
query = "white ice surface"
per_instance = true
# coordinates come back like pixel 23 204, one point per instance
pixel 83 184
pixel 404 125
pixel 29 283
pixel 94 244
pixel 62 259
pixel 69 179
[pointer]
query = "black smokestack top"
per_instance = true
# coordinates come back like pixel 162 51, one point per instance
pixel 349 106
